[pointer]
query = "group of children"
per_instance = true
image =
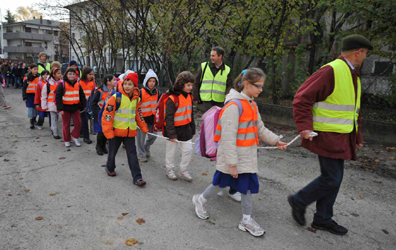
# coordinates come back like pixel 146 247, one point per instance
pixel 121 112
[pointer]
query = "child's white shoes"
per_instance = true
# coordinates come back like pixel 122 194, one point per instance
pixel 252 227
pixel 185 175
pixel 76 141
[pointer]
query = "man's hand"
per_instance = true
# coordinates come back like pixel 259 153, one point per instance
pixel 305 134
pixel 234 171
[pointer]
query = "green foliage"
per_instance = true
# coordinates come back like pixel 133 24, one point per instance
pixel 9 17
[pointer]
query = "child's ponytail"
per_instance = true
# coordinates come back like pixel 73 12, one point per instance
pixel 107 78
pixel 251 75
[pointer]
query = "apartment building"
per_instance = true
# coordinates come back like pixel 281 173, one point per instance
pixel 25 40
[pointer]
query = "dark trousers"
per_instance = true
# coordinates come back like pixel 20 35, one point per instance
pixel 323 189
pixel 40 121
pixel 84 125
pixel 208 105
pixel 130 147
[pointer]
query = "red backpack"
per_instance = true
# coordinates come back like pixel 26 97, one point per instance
pixel 159 119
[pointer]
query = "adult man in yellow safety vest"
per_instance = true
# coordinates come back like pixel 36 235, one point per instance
pixel 212 81
pixel 43 64
pixel 328 102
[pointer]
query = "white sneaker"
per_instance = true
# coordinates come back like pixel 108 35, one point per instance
pixel 185 175
pixel 236 197
pixel 200 209
pixel 143 159
pixel 67 144
pixel 252 227
pixel 76 141
pixel 171 174
pixel 221 193
pixel 40 127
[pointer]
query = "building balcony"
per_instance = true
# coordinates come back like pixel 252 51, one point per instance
pixel 23 49
pixel 29 36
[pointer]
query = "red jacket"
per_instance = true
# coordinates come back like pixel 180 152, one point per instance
pixel 37 96
pixel 328 144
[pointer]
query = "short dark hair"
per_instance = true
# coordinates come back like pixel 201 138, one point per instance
pixel 85 72
pixel 70 69
pixel 183 78
pixel 106 79
pixel 219 50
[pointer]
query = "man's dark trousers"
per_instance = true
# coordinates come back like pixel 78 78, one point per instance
pixel 130 147
pixel 323 189
pixel 209 104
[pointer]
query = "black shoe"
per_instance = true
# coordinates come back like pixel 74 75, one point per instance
pixel 109 173
pixel 298 213
pixel 56 137
pixel 87 141
pixel 140 182
pixel 99 150
pixel 31 124
pixel 104 149
pixel 332 227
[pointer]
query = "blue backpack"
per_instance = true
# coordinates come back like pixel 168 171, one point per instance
pixel 100 114
pixel 88 107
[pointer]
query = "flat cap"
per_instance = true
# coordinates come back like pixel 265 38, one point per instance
pixel 355 42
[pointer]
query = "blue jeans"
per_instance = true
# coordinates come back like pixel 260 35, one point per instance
pixel 17 81
pixel 130 146
pixel 323 189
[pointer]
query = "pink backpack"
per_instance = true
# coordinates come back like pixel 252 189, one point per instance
pixel 205 145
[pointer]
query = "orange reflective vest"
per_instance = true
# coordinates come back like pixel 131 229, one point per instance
pixel 247 125
pixel 72 94
pixel 149 102
pixel 52 91
pixel 104 97
pixel 87 87
pixel 31 88
pixel 183 112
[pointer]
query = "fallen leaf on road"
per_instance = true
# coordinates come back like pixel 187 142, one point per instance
pixel 313 230
pixel 13 225
pixel 385 231
pixel 52 194
pixel 9 194
pixel 18 194
pixel 27 190
pixel 15 141
pixel 391 157
pixel 377 181
pixel 62 158
pixel 361 197
pixel 393 148
pixel 131 242
pixel 39 218
pixel 38 141
pixel 68 149
pixel 120 218
pixel 280 158
pixel 15 135
pixel 140 221
pixel 124 214
pixel 6 160
pixel 44 145
pixel 204 174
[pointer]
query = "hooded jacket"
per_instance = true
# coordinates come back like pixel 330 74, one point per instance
pixel 107 124
pixel 228 153
pixel 49 106
pixel 150 74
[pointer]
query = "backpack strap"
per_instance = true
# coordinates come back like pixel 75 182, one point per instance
pixel 239 104
pixel 118 95
pixel 203 72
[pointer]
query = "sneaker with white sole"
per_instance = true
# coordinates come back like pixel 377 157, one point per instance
pixel 40 127
pixel 171 174
pixel 67 144
pixel 185 175
pixel 76 141
pixel 200 209
pixel 143 159
pixel 236 197
pixel 252 227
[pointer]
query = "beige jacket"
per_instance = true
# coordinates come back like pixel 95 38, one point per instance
pixel 245 158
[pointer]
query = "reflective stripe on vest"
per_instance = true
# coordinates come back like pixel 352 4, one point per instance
pixel 31 88
pixel 104 98
pixel 340 111
pixel 124 116
pixel 87 88
pixel 183 114
pixel 149 102
pixel 247 125
pixel 51 95
pixel 213 87
pixel 72 94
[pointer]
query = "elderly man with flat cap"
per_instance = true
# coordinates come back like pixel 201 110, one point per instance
pixel 328 102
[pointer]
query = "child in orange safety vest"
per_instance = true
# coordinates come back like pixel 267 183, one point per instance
pixel 238 131
pixel 88 85
pixel 150 95
pixel 48 99
pixel 41 112
pixel 28 92
pixel 70 100
pixel 179 125
pixel 120 119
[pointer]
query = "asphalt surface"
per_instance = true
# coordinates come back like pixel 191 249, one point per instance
pixel 82 208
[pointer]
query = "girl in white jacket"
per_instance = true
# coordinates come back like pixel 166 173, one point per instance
pixel 48 99
pixel 236 164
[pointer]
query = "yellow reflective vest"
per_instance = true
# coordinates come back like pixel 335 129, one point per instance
pixel 125 115
pixel 213 87
pixel 339 112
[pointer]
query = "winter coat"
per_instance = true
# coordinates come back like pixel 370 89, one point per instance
pixel 150 74
pixel 49 106
pixel 37 95
pixel 60 91
pixel 96 99
pixel 245 158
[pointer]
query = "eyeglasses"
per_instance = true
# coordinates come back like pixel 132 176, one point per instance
pixel 257 86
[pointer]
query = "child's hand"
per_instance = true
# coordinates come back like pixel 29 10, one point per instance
pixel 173 140
pixel 234 171
pixel 61 112
pixel 281 145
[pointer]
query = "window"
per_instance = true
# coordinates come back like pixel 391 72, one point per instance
pixel 56 33
pixel 383 68
pixel 49 32
pixel 29 44
pixel 28 30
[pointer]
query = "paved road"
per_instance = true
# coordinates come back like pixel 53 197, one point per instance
pixel 86 210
